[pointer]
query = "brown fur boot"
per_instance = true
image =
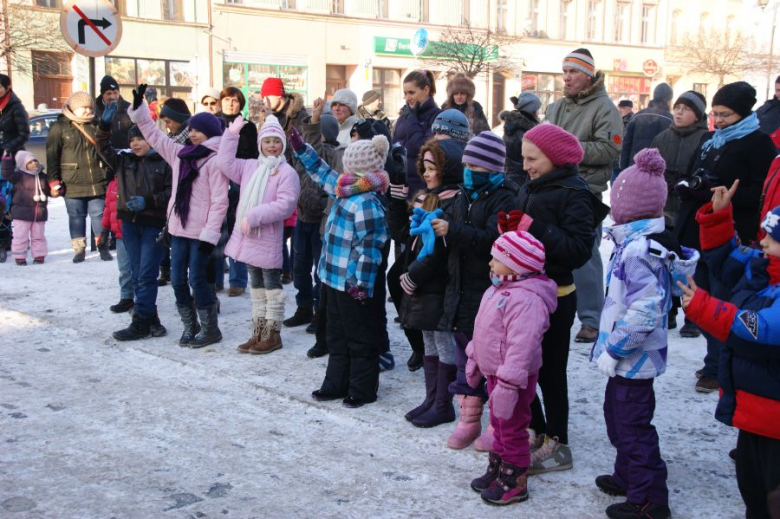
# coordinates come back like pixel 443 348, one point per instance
pixel 257 332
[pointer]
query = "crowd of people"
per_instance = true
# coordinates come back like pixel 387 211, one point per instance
pixel 496 250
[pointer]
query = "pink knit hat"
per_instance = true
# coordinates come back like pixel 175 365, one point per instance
pixel 640 191
pixel 272 128
pixel 557 144
pixel 519 251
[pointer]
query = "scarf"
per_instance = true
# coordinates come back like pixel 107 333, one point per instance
pixel 252 195
pixel 188 172
pixel 349 184
pixel 5 99
pixel 736 131
pixel 443 192
pixel 477 182
pixel 73 117
pixel 499 280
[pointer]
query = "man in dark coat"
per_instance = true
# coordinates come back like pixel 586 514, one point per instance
pixel 769 113
pixel 109 93
pixel 646 124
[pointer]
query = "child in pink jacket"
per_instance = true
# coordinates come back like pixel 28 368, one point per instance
pixel 198 204
pixel 513 316
pixel 269 193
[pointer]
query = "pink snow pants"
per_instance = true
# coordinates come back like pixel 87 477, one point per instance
pixel 29 234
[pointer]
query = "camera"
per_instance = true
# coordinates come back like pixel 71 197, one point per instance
pixel 702 179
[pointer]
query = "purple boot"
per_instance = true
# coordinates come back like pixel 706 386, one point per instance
pixel 442 410
pixel 511 486
pixel 431 368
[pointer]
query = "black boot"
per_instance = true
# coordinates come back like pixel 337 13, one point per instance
pixel 415 362
pixel 209 332
pixel 317 351
pixel 165 277
pixel 442 411
pixel 302 315
pixel 431 369
pixel 138 329
pixel 105 255
pixel 124 305
pixel 312 328
pixel 156 327
pixel 190 321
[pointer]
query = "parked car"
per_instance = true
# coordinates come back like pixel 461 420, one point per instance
pixel 40 122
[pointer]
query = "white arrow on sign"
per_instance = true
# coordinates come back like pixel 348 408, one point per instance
pixel 91 27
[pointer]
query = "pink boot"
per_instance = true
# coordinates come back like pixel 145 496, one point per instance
pixel 470 423
pixel 485 442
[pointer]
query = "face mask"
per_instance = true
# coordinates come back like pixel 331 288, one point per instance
pixel 496 280
pixel 475 179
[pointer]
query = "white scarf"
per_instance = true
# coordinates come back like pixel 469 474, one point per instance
pixel 252 195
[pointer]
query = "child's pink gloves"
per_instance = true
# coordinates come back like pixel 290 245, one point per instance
pixel 607 364
pixel 237 124
pixel 504 400
pixel 473 375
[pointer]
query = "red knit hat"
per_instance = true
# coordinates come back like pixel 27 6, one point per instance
pixel 272 86
pixel 557 144
pixel 519 251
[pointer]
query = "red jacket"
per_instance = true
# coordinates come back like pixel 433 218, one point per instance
pixel 770 194
pixel 109 213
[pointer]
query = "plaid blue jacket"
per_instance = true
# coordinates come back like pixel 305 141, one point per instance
pixel 355 232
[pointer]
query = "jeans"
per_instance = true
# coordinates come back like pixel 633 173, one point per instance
pixel 145 254
pixel 188 264
pixel 269 279
pixel 238 276
pixel 307 246
pixel 125 271
pixel 589 280
pixel 78 209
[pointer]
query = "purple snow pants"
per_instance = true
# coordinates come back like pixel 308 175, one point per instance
pixel 510 437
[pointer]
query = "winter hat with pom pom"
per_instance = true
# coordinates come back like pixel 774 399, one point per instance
pixel 272 128
pixel 640 191
pixel 363 156
pixel 557 144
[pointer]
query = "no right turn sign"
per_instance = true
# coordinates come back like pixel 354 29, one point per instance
pixel 91 27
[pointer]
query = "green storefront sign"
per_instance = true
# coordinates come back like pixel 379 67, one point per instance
pixel 436 49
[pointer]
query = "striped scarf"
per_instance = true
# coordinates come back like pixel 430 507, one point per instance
pixel 349 184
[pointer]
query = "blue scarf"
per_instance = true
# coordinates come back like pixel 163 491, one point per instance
pixel 477 182
pixel 736 131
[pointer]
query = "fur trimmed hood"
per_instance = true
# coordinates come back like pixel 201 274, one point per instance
pixel 596 85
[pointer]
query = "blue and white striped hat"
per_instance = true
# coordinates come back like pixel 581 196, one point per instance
pixel 486 150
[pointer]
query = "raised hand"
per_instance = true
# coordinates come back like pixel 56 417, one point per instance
pixel 138 96
pixel 688 291
pixel 237 125
pixel 296 141
pixel 317 108
pixel 721 197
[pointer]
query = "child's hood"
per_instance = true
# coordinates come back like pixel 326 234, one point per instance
pixel 621 234
pixel 540 285
pixel 24 157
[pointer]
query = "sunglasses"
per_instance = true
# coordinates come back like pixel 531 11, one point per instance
pixel 210 103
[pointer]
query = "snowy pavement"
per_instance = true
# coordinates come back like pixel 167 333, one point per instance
pixel 93 428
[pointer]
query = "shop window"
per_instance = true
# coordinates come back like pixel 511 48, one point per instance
pixel 388 82
pixel 170 78
pixel 547 87
pixel 249 78
pixel 637 89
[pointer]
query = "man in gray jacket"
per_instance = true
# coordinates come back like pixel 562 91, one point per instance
pixel 587 112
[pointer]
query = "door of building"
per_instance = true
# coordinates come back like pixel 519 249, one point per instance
pixel 53 82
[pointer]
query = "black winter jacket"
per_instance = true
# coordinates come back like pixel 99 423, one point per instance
pixel 14 126
pixel 473 227
pixel 566 214
pixel 769 116
pixel 148 176
pixel 747 159
pixel 412 130
pixel 73 160
pixel 24 206
pixel 516 123
pixel 473 111
pixel 642 129
pixel 121 124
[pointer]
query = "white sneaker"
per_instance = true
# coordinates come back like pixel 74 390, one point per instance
pixel 551 456
pixel 534 440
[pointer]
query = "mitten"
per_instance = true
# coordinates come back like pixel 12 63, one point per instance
pixel 136 204
pixel 357 293
pixel 407 284
pixel 296 141
pixel 509 221
pixel 473 374
pixel 396 170
pixel 102 242
pixel 138 96
pixel 108 115
pixel 607 364
pixel 504 400
pixel 205 247
pixel 237 124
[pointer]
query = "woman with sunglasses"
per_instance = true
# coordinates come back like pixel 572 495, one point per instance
pixel 210 101
pixel 736 150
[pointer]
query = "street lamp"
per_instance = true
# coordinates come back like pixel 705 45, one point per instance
pixel 763 4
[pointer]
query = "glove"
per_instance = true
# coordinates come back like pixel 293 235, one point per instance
pixel 136 204
pixel 509 221
pixel 407 284
pixel 138 96
pixel 473 374
pixel 102 241
pixel 397 165
pixel 237 124
pixel 607 364
pixel 357 293
pixel 205 247
pixel 296 141
pixel 424 229
pixel 246 228
pixel 108 114
pixel 504 400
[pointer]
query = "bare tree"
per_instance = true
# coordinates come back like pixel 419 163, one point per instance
pixel 23 30
pixel 720 54
pixel 472 51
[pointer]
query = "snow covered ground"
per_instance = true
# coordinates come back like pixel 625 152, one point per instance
pixel 94 428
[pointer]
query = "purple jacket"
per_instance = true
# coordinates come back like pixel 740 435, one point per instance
pixel 24 206
pixel 509 327
pixel 209 201
pixel 263 250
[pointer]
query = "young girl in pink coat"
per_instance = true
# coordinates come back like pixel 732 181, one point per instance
pixel 269 193
pixel 507 348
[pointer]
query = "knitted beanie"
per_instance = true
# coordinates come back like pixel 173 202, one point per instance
pixel 695 101
pixel 557 144
pixel 272 86
pixel 175 109
pixel 527 102
pixel 329 127
pixel 347 98
pixel 133 132
pixel 208 124
pixel 452 122
pixel 272 128
pixel 461 83
pixel 519 251
pixel 486 150
pixel 80 100
pixel 739 96
pixel 663 93
pixel 363 156
pixel 640 190
pixel 771 223
pixel 211 92
pixel 24 157
pixel 370 96
pixel 108 83
pixel 582 60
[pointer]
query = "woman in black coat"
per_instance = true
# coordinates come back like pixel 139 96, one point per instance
pixel 14 123
pixel 516 123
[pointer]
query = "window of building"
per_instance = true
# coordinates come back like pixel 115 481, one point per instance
pixel 730 25
pixel 674 33
pixel 637 89
pixel 170 78
pixel 647 21
pixel 249 77
pixel 388 82
pixel 465 13
pixel 547 87
pixel 592 20
pixel 700 88
pixel 704 25
pixel 622 21
pixel 51 4
pixel 563 21
pixel 237 2
pixel 502 17
pixel 172 10
pixel 335 79
pixel 533 17
pixel 337 7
